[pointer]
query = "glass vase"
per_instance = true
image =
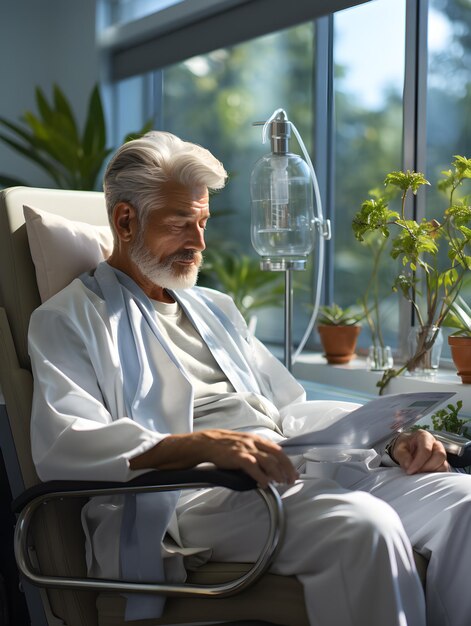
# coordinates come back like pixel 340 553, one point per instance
pixel 425 348
pixel 379 358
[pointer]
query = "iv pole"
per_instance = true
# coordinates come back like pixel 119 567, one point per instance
pixel 280 131
pixel 288 354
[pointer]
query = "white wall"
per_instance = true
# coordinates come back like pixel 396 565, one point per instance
pixel 44 42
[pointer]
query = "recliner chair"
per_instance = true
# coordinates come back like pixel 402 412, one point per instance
pixel 49 539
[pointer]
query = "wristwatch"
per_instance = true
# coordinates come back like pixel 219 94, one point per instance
pixel 390 448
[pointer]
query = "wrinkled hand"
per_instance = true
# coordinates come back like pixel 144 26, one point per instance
pixel 419 451
pixel 260 458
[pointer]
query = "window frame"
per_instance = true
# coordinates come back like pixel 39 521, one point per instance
pixel 189 28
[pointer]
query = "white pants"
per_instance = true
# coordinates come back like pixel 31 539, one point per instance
pixel 350 549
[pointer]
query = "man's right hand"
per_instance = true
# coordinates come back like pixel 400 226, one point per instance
pixel 260 458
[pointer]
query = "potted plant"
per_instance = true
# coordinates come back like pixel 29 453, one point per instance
pixel 459 318
pixel 338 329
pixel 427 279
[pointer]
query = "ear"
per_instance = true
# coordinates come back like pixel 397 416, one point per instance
pixel 124 221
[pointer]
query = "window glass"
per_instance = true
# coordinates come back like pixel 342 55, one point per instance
pixel 214 100
pixel 369 44
pixel 448 98
pixel 131 104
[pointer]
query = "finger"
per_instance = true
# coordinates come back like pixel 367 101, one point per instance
pixel 420 457
pixel 276 468
pixel 402 454
pixel 289 472
pixel 250 465
pixel 413 450
pixel 436 462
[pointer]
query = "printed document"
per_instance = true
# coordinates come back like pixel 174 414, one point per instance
pixel 367 426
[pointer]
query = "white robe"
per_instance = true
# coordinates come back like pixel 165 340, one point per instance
pixel 349 549
pixel 79 426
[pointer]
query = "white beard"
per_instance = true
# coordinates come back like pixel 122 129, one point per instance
pixel 163 273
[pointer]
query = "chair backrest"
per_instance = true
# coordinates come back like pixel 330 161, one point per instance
pixel 18 287
pixel 19 296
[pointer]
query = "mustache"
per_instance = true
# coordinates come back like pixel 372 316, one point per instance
pixel 186 255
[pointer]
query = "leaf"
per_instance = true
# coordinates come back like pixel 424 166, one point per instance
pixel 373 215
pixel 94 136
pixel 43 105
pixel 462 166
pixel 335 315
pixel 459 213
pixel 34 156
pixel 64 118
pixel 406 180
pixel 23 133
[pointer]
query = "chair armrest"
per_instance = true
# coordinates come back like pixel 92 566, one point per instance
pixel 170 479
pixel 26 505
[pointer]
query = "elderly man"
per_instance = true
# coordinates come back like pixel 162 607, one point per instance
pixel 137 369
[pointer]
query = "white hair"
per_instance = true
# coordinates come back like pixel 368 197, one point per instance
pixel 140 168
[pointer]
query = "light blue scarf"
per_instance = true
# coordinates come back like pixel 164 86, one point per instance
pixel 131 314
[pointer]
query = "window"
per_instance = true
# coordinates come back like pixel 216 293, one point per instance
pixel 368 85
pixel 214 100
pixel 448 96
pixel 342 80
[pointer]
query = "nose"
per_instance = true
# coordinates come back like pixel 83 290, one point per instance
pixel 195 239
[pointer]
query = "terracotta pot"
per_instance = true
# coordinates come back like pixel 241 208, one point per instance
pixel 339 342
pixel 461 354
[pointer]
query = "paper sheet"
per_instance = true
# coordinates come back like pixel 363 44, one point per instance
pixel 368 425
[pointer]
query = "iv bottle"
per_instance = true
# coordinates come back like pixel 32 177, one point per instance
pixel 282 228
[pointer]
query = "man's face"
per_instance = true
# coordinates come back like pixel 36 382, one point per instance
pixel 167 251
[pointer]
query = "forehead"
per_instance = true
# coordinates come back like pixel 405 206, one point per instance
pixel 180 200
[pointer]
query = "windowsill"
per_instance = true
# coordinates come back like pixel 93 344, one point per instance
pixel 312 367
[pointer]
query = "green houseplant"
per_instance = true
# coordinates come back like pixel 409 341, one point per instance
pixel 240 276
pixel 338 329
pixel 447 419
pixel 73 159
pixel 459 319
pixel 427 279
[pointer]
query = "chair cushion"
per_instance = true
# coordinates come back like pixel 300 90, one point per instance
pixel 62 249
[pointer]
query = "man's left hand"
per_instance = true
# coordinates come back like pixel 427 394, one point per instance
pixel 419 451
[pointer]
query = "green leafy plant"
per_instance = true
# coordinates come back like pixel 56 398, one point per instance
pixel 447 419
pixel 459 317
pixel 73 159
pixel 334 315
pixel 240 276
pixel 428 280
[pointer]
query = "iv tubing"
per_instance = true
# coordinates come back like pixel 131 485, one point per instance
pixel 320 248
